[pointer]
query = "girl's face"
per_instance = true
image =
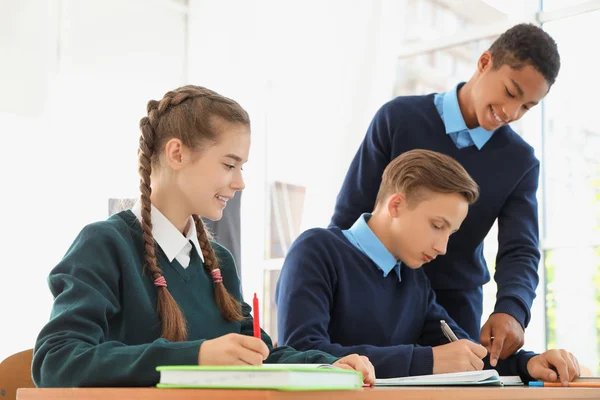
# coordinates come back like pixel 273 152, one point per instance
pixel 208 178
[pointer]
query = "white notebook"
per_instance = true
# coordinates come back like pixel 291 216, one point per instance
pixel 486 377
pixel 511 380
pixel 588 379
pixel 267 376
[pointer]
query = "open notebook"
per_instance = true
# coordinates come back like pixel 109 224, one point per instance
pixel 488 377
pixel 267 376
pixel 588 379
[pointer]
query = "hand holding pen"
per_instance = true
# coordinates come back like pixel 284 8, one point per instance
pixel 235 348
pixel 457 356
pixel 550 366
pixel 448 332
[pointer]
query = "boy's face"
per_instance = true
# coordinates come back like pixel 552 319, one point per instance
pixel 420 232
pixel 501 96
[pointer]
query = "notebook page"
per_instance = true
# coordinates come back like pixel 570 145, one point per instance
pixel 455 377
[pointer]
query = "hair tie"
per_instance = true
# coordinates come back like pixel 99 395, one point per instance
pixel 216 275
pixel 160 282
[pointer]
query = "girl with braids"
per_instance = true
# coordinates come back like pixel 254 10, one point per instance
pixel 147 287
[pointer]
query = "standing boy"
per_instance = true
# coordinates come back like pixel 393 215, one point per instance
pixel 470 124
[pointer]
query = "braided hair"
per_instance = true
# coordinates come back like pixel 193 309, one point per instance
pixel 186 114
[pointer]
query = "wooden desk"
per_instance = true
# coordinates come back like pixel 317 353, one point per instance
pixel 379 393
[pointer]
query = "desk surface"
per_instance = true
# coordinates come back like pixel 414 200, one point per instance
pixel 378 393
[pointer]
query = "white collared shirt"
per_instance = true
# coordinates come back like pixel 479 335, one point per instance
pixel 170 240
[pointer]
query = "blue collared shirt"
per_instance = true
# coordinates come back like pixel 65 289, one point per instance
pixel 449 110
pixel 363 238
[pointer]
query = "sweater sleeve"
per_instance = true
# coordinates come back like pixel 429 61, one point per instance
pixel 304 299
pixel 281 354
pixel 518 253
pixel 284 354
pixel 72 350
pixel 431 334
pixel 513 365
pixel 363 178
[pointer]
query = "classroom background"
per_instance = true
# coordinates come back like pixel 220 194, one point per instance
pixel 75 76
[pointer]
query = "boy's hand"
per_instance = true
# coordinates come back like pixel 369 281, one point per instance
pixel 508 335
pixel 460 356
pixel 360 364
pixel 544 366
pixel 233 349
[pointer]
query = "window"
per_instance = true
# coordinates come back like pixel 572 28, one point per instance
pixel 286 206
pixel 572 192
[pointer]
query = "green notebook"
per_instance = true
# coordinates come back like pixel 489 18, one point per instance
pixel 267 376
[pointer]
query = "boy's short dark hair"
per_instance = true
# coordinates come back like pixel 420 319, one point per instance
pixel 527 44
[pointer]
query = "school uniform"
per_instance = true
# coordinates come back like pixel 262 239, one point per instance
pixel 104 328
pixel 343 292
pixel 506 170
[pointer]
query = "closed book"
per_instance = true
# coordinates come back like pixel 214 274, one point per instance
pixel 267 376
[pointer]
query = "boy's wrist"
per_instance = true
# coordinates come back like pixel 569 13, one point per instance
pixel 422 361
pixel 513 308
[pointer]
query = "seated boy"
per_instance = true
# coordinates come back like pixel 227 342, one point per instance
pixel 362 290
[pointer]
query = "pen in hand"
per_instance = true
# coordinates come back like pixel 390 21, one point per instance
pixel 256 318
pixel 448 332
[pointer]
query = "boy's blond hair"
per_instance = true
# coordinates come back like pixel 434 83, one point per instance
pixel 418 173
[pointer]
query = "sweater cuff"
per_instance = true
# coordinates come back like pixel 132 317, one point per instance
pixel 192 354
pixel 422 361
pixel 326 358
pixel 524 357
pixel 513 308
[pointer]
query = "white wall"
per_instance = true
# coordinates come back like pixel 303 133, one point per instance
pixel 25 71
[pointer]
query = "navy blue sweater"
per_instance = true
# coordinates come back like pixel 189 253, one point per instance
pixel 332 297
pixel 506 170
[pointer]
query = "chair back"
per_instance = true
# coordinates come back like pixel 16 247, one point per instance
pixel 15 373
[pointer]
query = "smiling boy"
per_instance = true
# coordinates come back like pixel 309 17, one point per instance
pixel 470 123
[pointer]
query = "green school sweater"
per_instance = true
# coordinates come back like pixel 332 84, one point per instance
pixel 104 329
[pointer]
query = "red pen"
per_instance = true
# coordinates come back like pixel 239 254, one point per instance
pixel 256 317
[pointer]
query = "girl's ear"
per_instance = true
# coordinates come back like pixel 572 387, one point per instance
pixel 174 154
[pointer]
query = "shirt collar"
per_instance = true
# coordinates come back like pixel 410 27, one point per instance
pixel 455 122
pixel 370 244
pixel 170 240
